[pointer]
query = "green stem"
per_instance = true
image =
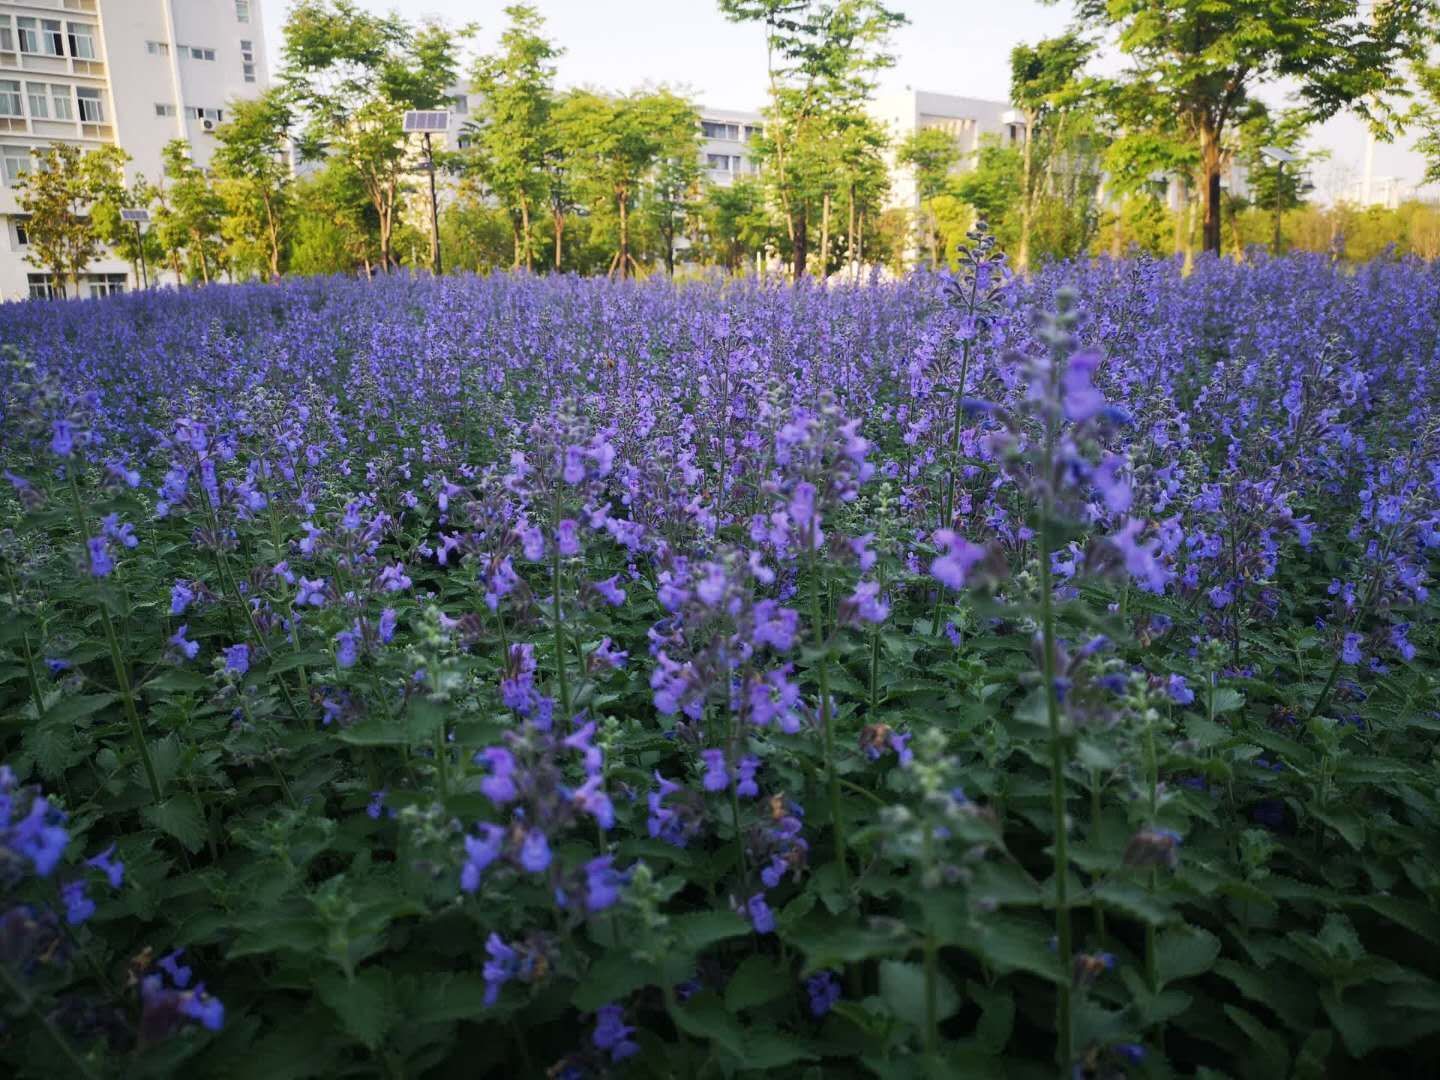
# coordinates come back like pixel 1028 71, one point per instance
pixel 559 626
pixel 122 674
pixel 826 726
pixel 932 976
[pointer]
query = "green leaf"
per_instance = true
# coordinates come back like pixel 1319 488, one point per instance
pixel 178 816
pixel 1183 952
pixel 1274 1054
pixel 903 989
pixel 447 997
pixel 1228 699
pixel 71 709
pixel 696 930
pixel 1011 945
pixel 997 1015
pixel 614 976
pixel 364 1004
pixel 757 980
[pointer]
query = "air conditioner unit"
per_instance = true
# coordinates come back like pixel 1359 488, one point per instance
pixel 207 124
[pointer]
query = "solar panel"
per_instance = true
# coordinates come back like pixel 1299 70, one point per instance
pixel 138 216
pixel 426 120
pixel 1274 153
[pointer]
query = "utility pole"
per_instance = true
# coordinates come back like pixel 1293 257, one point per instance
pixel 1281 158
pixel 137 217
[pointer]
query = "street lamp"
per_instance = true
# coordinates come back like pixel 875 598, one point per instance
pixel 138 217
pixel 1281 158
pixel 426 121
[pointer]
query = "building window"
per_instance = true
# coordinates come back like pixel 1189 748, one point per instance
pixel 719 162
pixel 716 130
pixel 162 109
pixel 7 34
pixel 195 112
pixel 92 107
pixel 14 162
pixel 751 132
pixel 82 40
pixel 242 11
pixel 42 287
pixel 10 98
pixel 157 48
pixel 106 284
pixel 20 232
pixel 197 53
pixel 60 99
pixel 52 41
pixel 36 98
pixel 461 104
pixel 247 57
pixel 29 30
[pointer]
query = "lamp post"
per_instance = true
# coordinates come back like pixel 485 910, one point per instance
pixel 1281 158
pixel 138 217
pixel 426 121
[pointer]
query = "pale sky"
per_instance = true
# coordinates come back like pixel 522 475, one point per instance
pixel 950 46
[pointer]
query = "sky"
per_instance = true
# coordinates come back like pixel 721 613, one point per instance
pixel 950 46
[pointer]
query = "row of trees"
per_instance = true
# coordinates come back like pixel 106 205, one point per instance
pixel 590 182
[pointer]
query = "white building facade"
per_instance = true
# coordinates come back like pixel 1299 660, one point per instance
pixel 967 120
pixel 726 154
pixel 136 73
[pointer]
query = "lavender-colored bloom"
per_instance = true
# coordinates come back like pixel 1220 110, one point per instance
pixel 41 837
pixel 386 626
pixel 612 1034
pixel 78 906
pixel 761 917
pixel 394 579
pixel 480 852
pixel 610 590
pixel 114 870
pixel 567 537
pixel 181 597
pixel 1179 690
pixel 123 533
pixel 187 648
pixel 745 786
pixel 347 648
pixel 824 991
pixel 1350 649
pixel 62 438
pixel 717 778
pixel 953 567
pixel 55 665
pixel 101 564
pixel 605 653
pixel 237 659
pixel 535 851
pixel 500 968
pixel 499 787
pixel 602 883
pixel 179 973
pixel 310 592
pixel 376 806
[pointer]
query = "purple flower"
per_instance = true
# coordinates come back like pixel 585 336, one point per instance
pixel 610 591
pixel 602 883
pixel 237 658
pixel 499 787
pixel 55 665
pixel 41 836
pixel 535 851
pixel 204 1009
pixel 761 917
pixel 62 439
pixel 866 603
pixel 532 542
pixel 717 778
pixel 960 556
pixel 347 648
pixel 188 648
pixel 612 1034
pixel 114 870
pixel 122 533
pixel 591 799
pixel 181 597
pixel 567 537
pixel 101 564
pixel 480 852
pixel 394 579
pixel 1350 649
pixel 1179 690
pixel 376 805
pixel 310 593
pixel 502 966
pixel 78 906
pixel 386 626
pixel 605 653
pixel 745 786
pixel 179 973
pixel 824 991
pixel 1081 399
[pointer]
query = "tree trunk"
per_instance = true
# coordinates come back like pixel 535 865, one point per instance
pixel 272 228
pixel 1027 198
pixel 823 270
pixel 1210 183
pixel 525 232
pixel 624 254
pixel 799 253
pixel 850 236
pixel 559 232
pixel 515 244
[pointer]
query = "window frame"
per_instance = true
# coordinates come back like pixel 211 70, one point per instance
pixel 90 93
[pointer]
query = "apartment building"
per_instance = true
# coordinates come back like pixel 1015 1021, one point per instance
pixel 725 152
pixel 137 73
pixel 968 121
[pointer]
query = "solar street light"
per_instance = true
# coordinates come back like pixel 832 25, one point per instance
pixel 425 122
pixel 138 216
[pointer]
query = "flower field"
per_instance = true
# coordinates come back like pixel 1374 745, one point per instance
pixel 523 676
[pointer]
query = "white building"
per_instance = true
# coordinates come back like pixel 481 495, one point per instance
pixel 726 153
pixel 967 120
pixel 133 72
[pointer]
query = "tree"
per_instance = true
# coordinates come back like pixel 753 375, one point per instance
pixel 253 172
pixel 822 57
pixel 931 153
pixel 190 216
pixel 675 183
pixel 331 229
pixel 734 221
pixel 617 145
pixel 512 133
pixel 354 74
pixel 58 195
pixel 1196 63
pixel 1045 84
pixel 121 236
